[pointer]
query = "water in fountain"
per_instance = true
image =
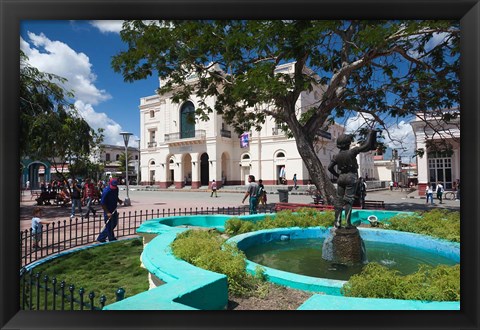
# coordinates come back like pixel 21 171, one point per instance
pixel 304 256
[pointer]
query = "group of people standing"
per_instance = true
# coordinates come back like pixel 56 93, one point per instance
pixel 255 193
pixel 438 188
pixel 109 201
pixel 108 198
pixel 84 194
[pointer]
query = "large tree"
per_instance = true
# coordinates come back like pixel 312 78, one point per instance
pixel 51 128
pixel 379 69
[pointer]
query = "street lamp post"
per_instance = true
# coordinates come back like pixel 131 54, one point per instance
pixel 126 137
pixel 138 163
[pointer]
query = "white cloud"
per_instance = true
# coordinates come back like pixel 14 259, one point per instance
pixel 105 26
pixel 400 136
pixel 58 58
pixel 354 123
pixel 100 120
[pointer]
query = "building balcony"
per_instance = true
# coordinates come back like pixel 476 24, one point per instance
pixel 186 138
pixel 152 144
pixel 225 133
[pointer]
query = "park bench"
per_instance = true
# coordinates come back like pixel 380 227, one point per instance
pixel 374 205
pixel 45 197
pixel 315 194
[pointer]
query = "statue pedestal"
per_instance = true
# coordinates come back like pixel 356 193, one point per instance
pixel 344 246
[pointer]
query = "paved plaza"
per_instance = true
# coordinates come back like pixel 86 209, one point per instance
pixel 148 200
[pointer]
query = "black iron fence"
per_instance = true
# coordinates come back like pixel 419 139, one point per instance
pixel 68 234
pixel 39 292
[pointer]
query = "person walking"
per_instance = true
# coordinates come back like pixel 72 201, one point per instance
pixel 100 187
pixel 76 197
pixel 440 191
pixel 89 196
pixel 429 193
pixel 214 189
pixel 262 194
pixel 37 227
pixel 295 181
pixel 251 192
pixel 109 202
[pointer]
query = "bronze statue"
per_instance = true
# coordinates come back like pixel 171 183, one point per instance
pixel 346 162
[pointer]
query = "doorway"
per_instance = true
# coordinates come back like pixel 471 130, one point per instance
pixel 204 170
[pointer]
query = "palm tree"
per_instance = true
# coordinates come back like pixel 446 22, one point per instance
pixel 121 160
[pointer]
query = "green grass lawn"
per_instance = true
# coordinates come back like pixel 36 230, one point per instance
pixel 102 269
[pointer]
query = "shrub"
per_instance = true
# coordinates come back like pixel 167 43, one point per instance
pixel 207 250
pixel 304 217
pixel 441 283
pixel 437 223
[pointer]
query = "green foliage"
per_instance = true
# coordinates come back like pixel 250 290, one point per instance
pixel 207 250
pixel 51 128
pixel 439 223
pixel 304 217
pixel 356 66
pixel 441 283
pixel 121 161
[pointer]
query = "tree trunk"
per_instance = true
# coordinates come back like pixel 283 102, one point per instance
pixel 315 167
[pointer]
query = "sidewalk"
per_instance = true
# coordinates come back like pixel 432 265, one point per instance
pixel 143 199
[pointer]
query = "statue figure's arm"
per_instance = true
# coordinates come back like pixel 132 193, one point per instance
pixel 331 167
pixel 369 144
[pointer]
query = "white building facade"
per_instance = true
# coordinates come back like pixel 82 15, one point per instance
pixel 178 151
pixel 109 156
pixel 437 166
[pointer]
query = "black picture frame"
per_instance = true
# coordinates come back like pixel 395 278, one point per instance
pixel 12 12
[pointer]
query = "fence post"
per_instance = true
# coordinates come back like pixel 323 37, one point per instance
pixel 120 294
pixel 91 296
pixel 45 280
pixel 81 292
pixel 54 284
pixel 30 282
pixel 62 288
pixel 103 299
pixel 37 285
pixel 71 288
pixel 22 280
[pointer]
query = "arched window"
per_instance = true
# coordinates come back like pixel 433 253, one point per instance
pixel 280 155
pixel 246 156
pixel 187 120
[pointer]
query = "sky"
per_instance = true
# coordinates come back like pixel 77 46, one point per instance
pixel 81 52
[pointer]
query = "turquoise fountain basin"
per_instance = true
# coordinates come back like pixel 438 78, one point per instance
pixel 189 287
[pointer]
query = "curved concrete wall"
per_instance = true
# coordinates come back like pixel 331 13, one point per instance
pixel 332 288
